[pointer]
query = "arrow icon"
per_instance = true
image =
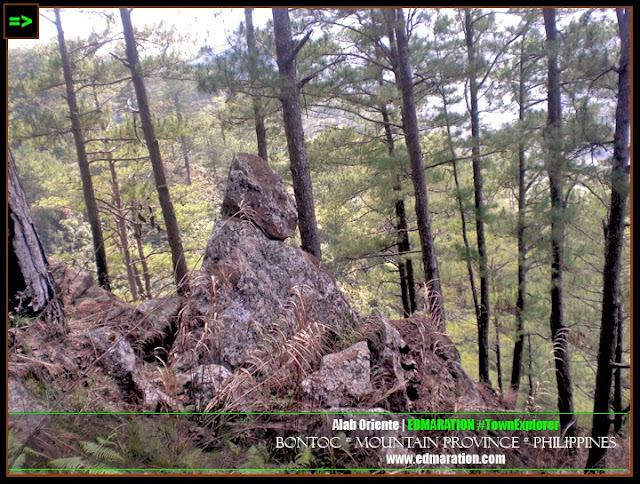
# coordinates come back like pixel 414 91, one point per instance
pixel 15 21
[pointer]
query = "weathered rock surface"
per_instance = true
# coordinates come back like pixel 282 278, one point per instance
pixel 344 378
pixel 116 356
pixel 72 284
pixel 252 288
pixel 20 399
pixel 433 371
pixel 154 326
pixel 256 192
pixel 204 382
pixel 83 298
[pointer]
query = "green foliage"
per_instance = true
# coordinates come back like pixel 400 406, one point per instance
pixel 19 454
pixel 98 458
pixel 205 114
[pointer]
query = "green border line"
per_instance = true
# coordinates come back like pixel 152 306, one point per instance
pixel 240 470
pixel 346 412
pixel 296 470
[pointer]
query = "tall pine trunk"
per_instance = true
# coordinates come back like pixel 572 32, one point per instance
pixel 405 265
pixel 137 234
pixel 85 174
pixel 412 140
pixel 518 348
pixel 613 248
pixel 460 203
pixel 286 51
pixel 483 313
pixel 184 141
pixel 30 286
pixel 555 165
pixel 121 224
pixel 617 383
pixel 258 111
pixel 180 272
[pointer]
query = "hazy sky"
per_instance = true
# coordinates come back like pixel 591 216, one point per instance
pixel 205 25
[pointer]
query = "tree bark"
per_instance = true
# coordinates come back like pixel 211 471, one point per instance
pixel 555 168
pixel 137 234
pixel 85 174
pixel 31 288
pixel 405 265
pixel 613 248
pixel 184 142
pixel 121 224
pixel 483 315
pixel 258 112
pixel 180 272
pixel 289 97
pixel 460 203
pixel 412 140
pixel 617 384
pixel 518 348
pixel 496 324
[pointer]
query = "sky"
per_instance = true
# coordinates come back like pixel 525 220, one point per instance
pixel 208 26
pixel 205 27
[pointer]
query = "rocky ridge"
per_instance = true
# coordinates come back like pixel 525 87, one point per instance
pixel 265 328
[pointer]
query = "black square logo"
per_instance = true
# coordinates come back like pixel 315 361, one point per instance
pixel 21 21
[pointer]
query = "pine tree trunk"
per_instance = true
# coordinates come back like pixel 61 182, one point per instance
pixel 617 383
pixel 518 348
pixel 613 248
pixel 137 234
pixel 258 114
pixel 460 203
pixel 530 365
pixel 85 174
pixel 184 142
pixel 121 224
pixel 483 315
pixel 31 288
pixel 136 274
pixel 555 168
pixel 412 139
pixel 405 265
pixel 180 272
pixel 289 96
pixel 496 324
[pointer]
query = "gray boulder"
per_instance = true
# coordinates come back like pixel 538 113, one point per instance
pixel 154 325
pixel 115 355
pixel 256 192
pixel 252 291
pixel 344 378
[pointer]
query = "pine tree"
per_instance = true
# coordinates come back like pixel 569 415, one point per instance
pixel 555 165
pixel 286 51
pixel 31 288
pixel 412 139
pixel 83 163
pixel 613 247
pixel 180 272
pixel 258 109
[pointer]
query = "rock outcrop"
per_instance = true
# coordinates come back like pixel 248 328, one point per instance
pixel 343 380
pixel 252 286
pixel 266 329
pixel 255 191
pixel 263 308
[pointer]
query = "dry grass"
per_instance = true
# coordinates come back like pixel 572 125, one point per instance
pixel 271 379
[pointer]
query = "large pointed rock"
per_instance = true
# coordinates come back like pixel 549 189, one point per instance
pixel 253 291
pixel 256 192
